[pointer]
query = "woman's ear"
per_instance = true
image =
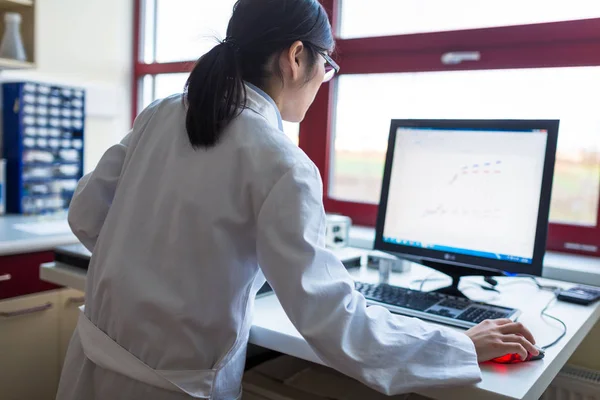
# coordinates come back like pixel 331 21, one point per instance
pixel 295 58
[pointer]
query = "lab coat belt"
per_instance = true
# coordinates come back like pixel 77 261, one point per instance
pixel 108 354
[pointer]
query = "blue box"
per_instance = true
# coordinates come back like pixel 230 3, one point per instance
pixel 43 142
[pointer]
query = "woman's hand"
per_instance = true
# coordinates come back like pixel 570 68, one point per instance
pixel 496 338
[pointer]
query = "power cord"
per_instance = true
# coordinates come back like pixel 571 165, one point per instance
pixel 543 313
pixel 430 279
pixel 427 279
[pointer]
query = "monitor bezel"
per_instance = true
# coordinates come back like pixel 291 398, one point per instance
pixel 477 264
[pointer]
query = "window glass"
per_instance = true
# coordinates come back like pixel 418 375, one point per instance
pixel 360 18
pixel 168 84
pixel 183 30
pixel 367 103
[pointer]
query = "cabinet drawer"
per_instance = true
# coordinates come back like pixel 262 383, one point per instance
pixel 70 301
pixel 20 274
pixel 29 347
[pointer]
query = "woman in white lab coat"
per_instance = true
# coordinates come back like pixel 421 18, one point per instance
pixel 202 200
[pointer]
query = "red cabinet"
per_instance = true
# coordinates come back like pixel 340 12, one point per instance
pixel 20 274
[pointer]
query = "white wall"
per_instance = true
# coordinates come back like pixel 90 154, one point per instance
pixel 88 43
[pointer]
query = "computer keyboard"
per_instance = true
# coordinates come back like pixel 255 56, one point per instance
pixel 431 306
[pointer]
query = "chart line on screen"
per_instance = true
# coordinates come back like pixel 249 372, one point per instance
pixel 487 184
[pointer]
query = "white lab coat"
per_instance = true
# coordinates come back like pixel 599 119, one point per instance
pixel 181 240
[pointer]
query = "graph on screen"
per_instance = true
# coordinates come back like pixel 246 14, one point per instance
pixel 477 178
pixel 466 191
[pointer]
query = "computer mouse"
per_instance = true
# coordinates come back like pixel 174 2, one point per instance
pixel 515 358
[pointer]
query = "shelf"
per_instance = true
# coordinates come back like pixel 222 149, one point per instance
pixel 37 164
pixel 39 196
pixel 13 3
pixel 48 211
pixel 50 179
pixel 6 63
pixel 27 10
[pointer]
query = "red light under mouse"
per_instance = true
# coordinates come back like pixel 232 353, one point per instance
pixel 508 359
pixel 515 358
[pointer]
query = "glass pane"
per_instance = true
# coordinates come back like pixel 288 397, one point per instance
pixel 147 41
pixel 292 131
pixel 186 29
pixel 360 18
pixel 168 84
pixel 568 94
pixel 146 95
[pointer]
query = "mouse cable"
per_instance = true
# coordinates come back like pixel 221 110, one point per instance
pixel 544 313
pixel 430 278
pixel 493 282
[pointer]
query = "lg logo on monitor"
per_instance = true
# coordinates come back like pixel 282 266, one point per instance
pixel 449 257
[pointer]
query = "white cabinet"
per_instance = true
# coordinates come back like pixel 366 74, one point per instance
pixel 28 347
pixel 70 301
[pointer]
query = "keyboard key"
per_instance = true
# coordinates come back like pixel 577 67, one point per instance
pixel 457 304
pixel 411 299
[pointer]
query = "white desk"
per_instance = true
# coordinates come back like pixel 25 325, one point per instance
pixel 272 329
pixel 21 234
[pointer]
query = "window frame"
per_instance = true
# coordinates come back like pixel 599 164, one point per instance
pixel 140 68
pixel 553 44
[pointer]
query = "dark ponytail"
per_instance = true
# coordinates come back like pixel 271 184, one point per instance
pixel 215 92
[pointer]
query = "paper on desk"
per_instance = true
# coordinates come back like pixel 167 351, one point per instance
pixel 45 228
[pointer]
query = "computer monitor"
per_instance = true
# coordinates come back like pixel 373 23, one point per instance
pixel 468 197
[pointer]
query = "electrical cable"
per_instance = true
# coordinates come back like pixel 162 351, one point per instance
pixel 471 284
pixel 492 288
pixel 543 313
pixel 532 278
pixel 428 278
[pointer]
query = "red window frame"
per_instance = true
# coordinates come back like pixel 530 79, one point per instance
pixel 557 44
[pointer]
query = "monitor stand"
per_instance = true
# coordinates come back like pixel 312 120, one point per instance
pixel 455 272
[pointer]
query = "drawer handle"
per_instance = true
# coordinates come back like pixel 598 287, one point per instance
pixel 75 300
pixel 26 311
pixel 5 277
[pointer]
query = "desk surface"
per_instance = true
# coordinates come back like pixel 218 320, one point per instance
pixel 28 234
pixel 273 330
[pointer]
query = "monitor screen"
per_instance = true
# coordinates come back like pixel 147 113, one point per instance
pixel 466 191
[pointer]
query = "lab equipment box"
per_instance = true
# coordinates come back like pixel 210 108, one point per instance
pixel 43 138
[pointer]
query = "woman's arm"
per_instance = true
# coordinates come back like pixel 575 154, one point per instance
pixel 95 191
pixel 390 353
pixel 94 195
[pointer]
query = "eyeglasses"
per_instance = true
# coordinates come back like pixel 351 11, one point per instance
pixel 331 68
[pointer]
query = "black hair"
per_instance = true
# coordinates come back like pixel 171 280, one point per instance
pixel 215 92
